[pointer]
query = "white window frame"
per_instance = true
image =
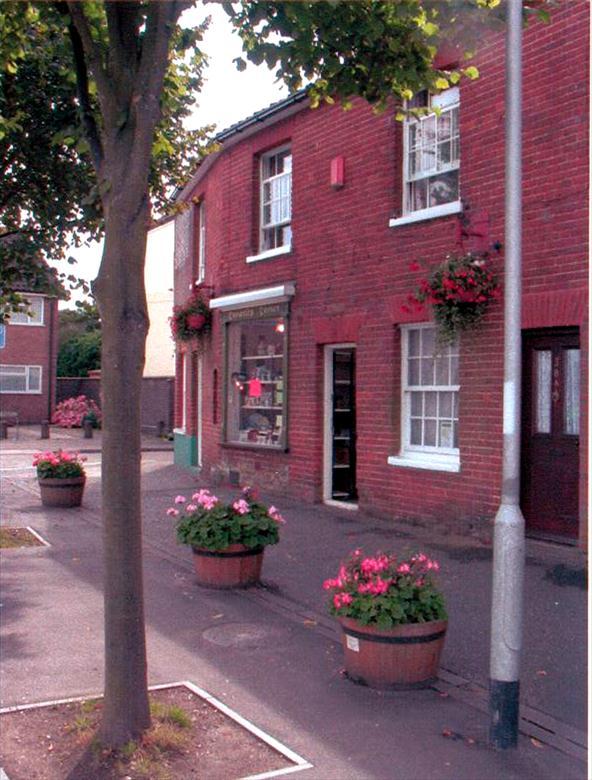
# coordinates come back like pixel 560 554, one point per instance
pixel 271 224
pixel 449 101
pixel 201 250
pixel 414 455
pixel 24 371
pixel 36 319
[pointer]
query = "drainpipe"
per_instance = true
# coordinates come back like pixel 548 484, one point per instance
pixel 508 546
pixel 50 352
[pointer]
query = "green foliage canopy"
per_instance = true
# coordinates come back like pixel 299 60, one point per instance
pixel 50 198
pixel 80 354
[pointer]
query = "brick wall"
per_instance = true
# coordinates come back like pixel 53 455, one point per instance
pixel 352 270
pixel 157 401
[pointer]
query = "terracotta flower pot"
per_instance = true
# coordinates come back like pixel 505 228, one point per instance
pixel 235 567
pixel 397 658
pixel 65 492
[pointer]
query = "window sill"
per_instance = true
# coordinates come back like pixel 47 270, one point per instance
pixel 435 211
pixel 240 445
pixel 179 432
pixel 280 250
pixel 21 392
pixel 430 462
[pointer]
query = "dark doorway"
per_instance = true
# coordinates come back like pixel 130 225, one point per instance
pixel 343 438
pixel 550 433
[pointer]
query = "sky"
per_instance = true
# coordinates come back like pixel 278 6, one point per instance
pixel 227 97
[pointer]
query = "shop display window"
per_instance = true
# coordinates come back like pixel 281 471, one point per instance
pixel 256 382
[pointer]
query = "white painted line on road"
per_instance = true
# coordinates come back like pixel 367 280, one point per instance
pixel 3 775
pixel 41 539
pixel 301 763
pixel 52 703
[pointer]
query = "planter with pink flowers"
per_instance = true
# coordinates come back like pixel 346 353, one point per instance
pixel 61 478
pixel 393 619
pixel 227 540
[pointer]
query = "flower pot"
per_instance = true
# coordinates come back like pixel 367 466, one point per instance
pixel 235 567
pixel 393 658
pixel 64 492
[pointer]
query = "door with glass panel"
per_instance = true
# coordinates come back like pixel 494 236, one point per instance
pixel 550 433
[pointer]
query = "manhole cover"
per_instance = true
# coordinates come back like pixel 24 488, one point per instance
pixel 241 635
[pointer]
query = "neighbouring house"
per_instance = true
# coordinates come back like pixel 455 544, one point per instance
pixel 159 369
pixel 158 275
pixel 28 356
pixel 316 377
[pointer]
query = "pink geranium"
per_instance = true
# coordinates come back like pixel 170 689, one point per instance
pixel 381 590
pixel 241 506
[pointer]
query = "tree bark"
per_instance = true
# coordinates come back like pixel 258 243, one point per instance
pixel 122 303
pixel 129 76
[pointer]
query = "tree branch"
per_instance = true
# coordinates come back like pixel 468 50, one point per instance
pixel 160 21
pixel 89 123
pixel 92 53
pixel 122 24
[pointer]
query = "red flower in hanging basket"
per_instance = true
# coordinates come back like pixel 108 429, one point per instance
pixel 459 290
pixel 196 321
pixel 192 320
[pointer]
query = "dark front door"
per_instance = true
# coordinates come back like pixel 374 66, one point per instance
pixel 550 433
pixel 343 486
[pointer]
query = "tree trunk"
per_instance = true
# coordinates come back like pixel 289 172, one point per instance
pixel 121 297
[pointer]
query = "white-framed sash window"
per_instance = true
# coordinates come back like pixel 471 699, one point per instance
pixel 276 200
pixel 201 249
pixel 432 154
pixel 430 401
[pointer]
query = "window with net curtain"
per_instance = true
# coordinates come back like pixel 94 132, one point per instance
pixel 20 379
pixel 276 200
pixel 430 393
pixel 432 152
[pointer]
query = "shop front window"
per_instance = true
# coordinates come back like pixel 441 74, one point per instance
pixel 256 378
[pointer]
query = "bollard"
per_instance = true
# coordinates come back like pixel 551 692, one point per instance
pixel 3 430
pixel 160 429
pixel 88 428
pixel 45 429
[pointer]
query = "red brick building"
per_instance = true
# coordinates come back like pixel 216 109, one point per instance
pixel 28 356
pixel 301 231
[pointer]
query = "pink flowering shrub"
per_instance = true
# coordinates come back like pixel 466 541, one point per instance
pixel 385 591
pixel 59 464
pixel 71 412
pixel 205 521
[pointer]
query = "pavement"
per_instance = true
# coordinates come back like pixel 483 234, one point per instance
pixel 272 653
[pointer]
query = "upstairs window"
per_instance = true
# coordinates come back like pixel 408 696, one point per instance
pixel 2 336
pixel 276 200
pixel 432 153
pixel 201 241
pixel 32 313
